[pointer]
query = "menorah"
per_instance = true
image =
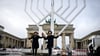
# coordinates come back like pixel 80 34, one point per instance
pixel 78 5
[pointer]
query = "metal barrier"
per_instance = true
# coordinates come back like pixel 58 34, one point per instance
pixel 27 52
pixel 79 52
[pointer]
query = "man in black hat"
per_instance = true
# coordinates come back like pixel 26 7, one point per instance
pixel 35 43
pixel 50 42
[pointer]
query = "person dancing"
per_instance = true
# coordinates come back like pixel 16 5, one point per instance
pixel 35 43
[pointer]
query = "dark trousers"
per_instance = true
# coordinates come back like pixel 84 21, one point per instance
pixel 69 53
pixel 50 51
pixel 34 51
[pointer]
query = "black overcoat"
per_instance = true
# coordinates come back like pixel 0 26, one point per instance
pixel 50 41
pixel 35 42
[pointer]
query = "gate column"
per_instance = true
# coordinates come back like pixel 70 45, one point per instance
pixel 63 41
pixel 71 40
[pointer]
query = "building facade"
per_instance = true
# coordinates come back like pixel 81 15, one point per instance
pixel 83 43
pixel 69 31
pixel 8 40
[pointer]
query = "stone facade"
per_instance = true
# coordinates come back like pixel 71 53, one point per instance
pixel 69 31
pixel 83 42
pixel 8 40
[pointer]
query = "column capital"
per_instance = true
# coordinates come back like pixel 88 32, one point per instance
pixel 63 34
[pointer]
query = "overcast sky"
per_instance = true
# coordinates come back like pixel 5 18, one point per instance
pixel 15 20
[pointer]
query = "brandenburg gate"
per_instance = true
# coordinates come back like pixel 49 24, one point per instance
pixel 38 12
pixel 69 31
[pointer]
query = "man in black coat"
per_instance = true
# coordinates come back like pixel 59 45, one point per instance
pixel 35 43
pixel 50 42
pixel 97 52
pixel 91 50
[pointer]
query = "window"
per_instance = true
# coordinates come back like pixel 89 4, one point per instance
pixel 89 41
